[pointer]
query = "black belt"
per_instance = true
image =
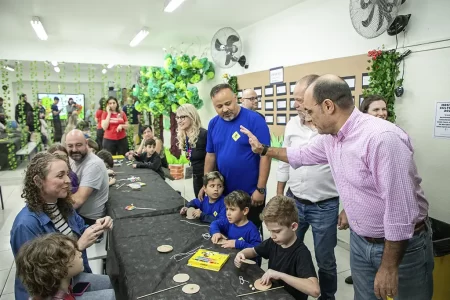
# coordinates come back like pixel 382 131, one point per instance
pixel 417 229
pixel 307 202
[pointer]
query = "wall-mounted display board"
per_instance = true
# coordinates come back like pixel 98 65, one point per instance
pixel 279 97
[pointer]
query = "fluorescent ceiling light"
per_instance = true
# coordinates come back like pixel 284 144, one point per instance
pixel 56 69
pixel 9 68
pixel 55 63
pixel 110 66
pixel 39 28
pixel 104 71
pixel 171 5
pixel 139 37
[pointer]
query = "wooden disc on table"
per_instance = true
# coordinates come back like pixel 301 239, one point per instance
pixel 249 261
pixel 191 288
pixel 261 287
pixel 189 213
pixel 180 278
pixel 164 248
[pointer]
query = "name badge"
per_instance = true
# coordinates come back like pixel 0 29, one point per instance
pixel 235 136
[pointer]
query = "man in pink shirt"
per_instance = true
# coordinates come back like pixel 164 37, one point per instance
pixel 373 167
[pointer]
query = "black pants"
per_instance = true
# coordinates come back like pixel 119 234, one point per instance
pixel 197 182
pixel 99 138
pixel 116 147
pixel 253 215
pixel 58 130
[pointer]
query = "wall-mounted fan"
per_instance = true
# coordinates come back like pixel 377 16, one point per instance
pixel 226 48
pixel 371 18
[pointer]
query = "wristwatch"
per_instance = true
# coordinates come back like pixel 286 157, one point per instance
pixel 261 190
pixel 265 148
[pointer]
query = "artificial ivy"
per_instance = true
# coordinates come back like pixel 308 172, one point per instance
pixel 22 117
pixel 232 81
pixel 34 91
pixel 50 128
pixel 384 71
pixel 12 159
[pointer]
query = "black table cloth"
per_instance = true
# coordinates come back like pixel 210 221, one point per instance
pixel 136 268
pixel 155 194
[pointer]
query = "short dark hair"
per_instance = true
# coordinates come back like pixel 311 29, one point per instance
pixel 57 147
pixel 145 127
pixel 102 103
pixel 107 158
pixel 22 95
pixel 212 176
pixel 337 91
pixel 222 86
pixel 43 262
pixel 150 142
pixel 92 144
pixel 82 125
pixel 56 98
pixel 238 199
pixel 364 107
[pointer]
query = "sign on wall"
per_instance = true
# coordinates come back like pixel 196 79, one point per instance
pixel 442 120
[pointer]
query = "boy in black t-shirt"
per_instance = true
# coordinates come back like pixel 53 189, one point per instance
pixel 289 259
pixel 149 159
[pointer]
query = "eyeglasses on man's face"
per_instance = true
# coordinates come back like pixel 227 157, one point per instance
pixel 251 98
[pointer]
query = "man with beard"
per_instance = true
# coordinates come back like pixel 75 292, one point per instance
pixel 92 194
pixel 314 192
pixel 250 101
pixel 229 149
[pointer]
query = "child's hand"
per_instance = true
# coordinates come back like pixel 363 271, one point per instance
pixel 111 172
pixel 112 181
pixel 238 259
pixel 183 211
pixel 134 166
pixel 217 237
pixel 269 275
pixel 197 213
pixel 229 244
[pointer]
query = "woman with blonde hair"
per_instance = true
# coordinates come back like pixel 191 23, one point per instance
pixel 71 124
pixel 192 139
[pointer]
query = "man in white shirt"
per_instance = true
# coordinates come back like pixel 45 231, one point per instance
pixel 314 192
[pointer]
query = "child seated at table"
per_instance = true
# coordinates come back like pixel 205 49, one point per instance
pixel 47 264
pixel 236 231
pixel 92 145
pixel 289 259
pixel 149 159
pixel 109 163
pixel 212 207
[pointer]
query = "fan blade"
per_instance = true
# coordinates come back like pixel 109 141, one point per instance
pixel 365 5
pixel 231 40
pixel 218 44
pixel 380 20
pixel 228 59
pixel 369 19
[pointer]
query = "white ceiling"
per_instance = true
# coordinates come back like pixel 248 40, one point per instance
pixel 110 23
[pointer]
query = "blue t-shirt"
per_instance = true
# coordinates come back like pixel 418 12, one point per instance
pixel 234 156
pixel 210 211
pixel 246 236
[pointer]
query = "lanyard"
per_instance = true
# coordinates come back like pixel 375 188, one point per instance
pixel 188 149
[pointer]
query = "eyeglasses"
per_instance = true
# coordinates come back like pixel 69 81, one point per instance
pixel 180 117
pixel 252 98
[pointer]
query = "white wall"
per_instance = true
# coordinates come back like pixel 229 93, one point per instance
pixel 318 30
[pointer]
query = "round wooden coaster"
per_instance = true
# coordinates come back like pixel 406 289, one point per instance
pixel 189 213
pixel 249 261
pixel 260 287
pixel 164 248
pixel 180 278
pixel 191 288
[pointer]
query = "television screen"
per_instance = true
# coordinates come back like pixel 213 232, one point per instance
pixel 47 102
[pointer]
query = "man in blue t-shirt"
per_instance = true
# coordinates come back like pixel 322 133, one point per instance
pixel 228 149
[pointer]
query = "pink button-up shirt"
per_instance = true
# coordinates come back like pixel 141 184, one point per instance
pixel 374 170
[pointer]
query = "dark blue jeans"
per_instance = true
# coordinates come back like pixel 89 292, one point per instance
pixel 415 273
pixel 322 217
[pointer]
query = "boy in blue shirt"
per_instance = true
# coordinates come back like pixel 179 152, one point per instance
pixel 236 231
pixel 212 207
pixel 289 259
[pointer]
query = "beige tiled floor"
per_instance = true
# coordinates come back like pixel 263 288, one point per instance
pixel 11 183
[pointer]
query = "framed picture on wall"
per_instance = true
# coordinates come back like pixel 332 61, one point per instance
pixel 269 119
pixel 281 89
pixel 365 80
pixel 259 104
pixel 281 104
pixel 281 119
pixel 291 104
pixel 361 99
pixel 292 116
pixel 239 94
pixel 291 87
pixel 258 91
pixel 268 90
pixel 268 105
pixel 351 81
pixel 276 75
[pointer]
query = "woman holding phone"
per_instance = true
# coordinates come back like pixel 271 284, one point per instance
pixel 114 124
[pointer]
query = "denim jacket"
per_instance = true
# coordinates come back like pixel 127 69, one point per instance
pixel 29 225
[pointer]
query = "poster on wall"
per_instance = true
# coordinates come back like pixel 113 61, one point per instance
pixel 292 103
pixel 281 89
pixel 442 120
pixel 258 91
pixel 292 87
pixel 281 119
pixel 269 119
pixel 365 80
pixel 281 104
pixel 351 81
pixel 276 75
pixel 268 105
pixel 268 90
pixel 47 102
